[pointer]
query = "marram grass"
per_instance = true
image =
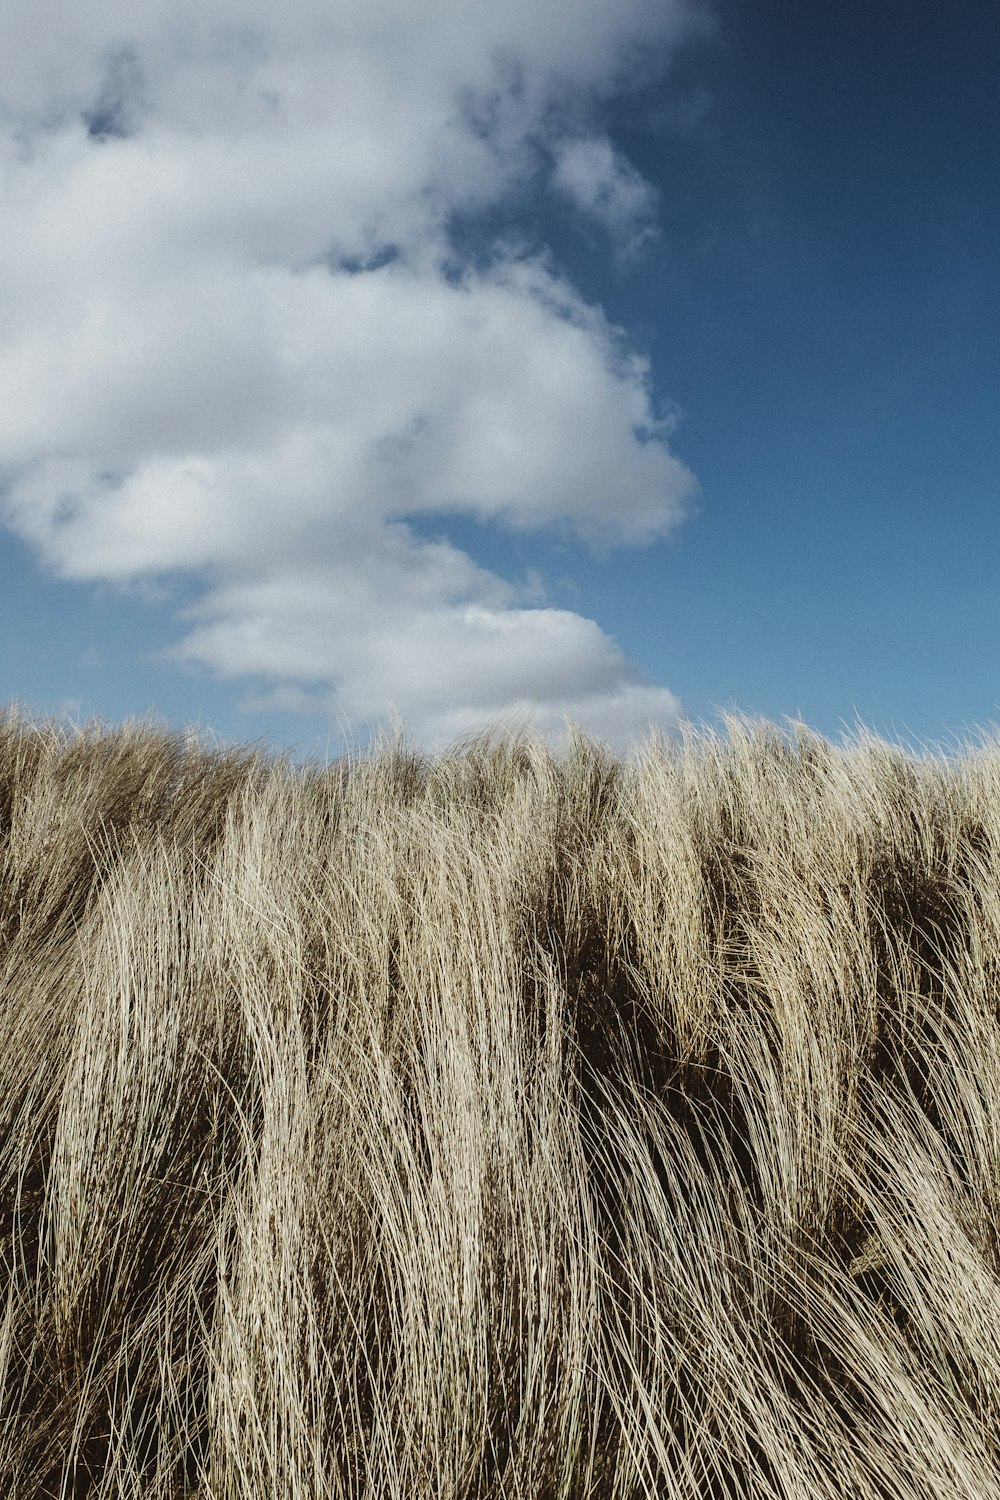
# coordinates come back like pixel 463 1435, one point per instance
pixel 502 1125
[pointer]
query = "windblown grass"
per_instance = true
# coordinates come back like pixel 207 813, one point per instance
pixel 499 1125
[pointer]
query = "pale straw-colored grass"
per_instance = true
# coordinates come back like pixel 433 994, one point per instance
pixel 499 1125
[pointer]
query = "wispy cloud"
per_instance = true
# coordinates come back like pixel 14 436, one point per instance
pixel 607 188
pixel 237 338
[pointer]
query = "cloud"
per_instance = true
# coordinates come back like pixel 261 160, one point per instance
pixel 607 188
pixel 446 649
pixel 238 340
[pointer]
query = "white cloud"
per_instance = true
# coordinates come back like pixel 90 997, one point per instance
pixel 424 636
pixel 235 337
pixel 607 187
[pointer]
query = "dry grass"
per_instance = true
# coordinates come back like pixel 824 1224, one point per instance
pixel 501 1125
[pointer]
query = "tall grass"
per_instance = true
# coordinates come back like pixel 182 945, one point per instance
pixel 500 1124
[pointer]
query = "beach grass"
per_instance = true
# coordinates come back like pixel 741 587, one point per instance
pixel 499 1124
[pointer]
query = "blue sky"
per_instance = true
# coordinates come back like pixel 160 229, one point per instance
pixel 467 362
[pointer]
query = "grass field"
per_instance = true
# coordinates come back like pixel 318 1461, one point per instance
pixel 503 1125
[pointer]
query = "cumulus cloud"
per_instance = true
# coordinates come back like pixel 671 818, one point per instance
pixel 449 647
pixel 238 340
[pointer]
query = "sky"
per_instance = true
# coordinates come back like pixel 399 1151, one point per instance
pixel 452 364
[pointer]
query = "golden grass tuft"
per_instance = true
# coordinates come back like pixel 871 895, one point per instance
pixel 500 1124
